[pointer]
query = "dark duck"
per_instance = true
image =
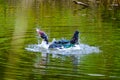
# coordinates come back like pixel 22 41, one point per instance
pixel 62 43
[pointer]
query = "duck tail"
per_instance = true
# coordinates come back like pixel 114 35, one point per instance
pixel 75 37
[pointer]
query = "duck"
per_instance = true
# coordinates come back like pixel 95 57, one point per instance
pixel 42 34
pixel 62 43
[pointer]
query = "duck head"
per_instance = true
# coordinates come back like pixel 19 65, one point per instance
pixel 42 35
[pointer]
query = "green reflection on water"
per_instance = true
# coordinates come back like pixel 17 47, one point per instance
pixel 98 27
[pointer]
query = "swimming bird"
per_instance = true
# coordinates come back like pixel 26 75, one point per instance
pixel 43 35
pixel 63 43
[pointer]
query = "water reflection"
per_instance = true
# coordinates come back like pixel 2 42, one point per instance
pixel 42 66
pixel 43 60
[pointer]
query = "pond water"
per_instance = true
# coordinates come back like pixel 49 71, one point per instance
pixel 99 29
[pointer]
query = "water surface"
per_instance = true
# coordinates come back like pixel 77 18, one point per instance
pixel 99 27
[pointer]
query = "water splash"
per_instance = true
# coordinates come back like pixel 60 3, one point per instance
pixel 77 50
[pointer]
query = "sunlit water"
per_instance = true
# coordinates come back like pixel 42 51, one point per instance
pixel 97 57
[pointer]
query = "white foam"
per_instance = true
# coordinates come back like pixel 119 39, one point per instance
pixel 78 49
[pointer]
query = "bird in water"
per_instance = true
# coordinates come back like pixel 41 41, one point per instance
pixel 62 43
pixel 43 35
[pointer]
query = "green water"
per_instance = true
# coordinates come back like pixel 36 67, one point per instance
pixel 98 27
